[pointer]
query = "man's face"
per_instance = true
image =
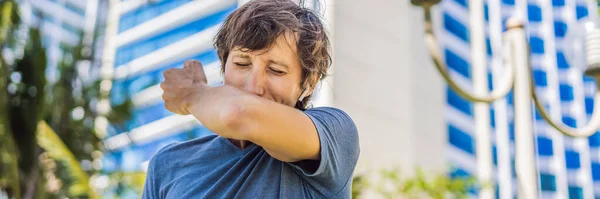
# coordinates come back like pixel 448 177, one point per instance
pixel 274 74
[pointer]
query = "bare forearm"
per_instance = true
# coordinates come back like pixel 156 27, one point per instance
pixel 213 106
pixel 284 132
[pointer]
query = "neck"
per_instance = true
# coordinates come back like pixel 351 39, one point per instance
pixel 240 143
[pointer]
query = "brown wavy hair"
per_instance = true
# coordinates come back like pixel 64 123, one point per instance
pixel 257 24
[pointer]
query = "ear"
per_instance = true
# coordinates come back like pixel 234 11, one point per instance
pixel 303 95
pixel 307 91
pixel 309 86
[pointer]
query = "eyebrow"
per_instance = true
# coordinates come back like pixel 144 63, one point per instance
pixel 242 56
pixel 279 63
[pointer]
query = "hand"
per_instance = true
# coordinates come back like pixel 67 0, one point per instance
pixel 181 85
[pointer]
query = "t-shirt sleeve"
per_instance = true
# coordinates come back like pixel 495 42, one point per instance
pixel 152 185
pixel 339 152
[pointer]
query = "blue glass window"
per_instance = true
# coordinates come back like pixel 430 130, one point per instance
pixel 458 102
pixel 74 9
pixel 569 121
pixel 538 116
pixel 581 11
pixel 537 45
pixel 596 171
pixel 513 168
pixel 459 173
pixel 71 29
pixel 457 63
pixel 492 118
pixel 486 12
pixel 456 28
pixel 589 105
pixel 508 2
pixel 575 192
pixel 463 3
pixel 540 77
pixel 561 60
pixel 509 98
pixel 594 140
pixel 544 146
pixel 488 46
pixel 118 93
pixel 147 12
pixel 139 48
pixel 534 12
pixel 572 159
pixel 135 84
pixel 566 92
pixel 560 29
pixel 147 114
pixel 558 3
pixel 511 131
pixel 460 139
pixel 495 155
pixel 548 182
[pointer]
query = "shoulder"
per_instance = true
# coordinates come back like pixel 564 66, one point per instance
pixel 325 109
pixel 173 153
pixel 332 118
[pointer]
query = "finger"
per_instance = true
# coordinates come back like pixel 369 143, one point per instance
pixel 164 86
pixel 169 73
pixel 171 108
pixel 197 70
pixel 178 76
pixel 169 97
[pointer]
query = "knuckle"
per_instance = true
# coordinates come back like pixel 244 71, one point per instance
pixel 167 72
pixel 196 62
pixel 187 63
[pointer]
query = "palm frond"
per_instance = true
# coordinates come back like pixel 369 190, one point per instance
pixel 57 150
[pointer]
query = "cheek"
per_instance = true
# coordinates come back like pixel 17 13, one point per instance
pixel 284 91
pixel 231 78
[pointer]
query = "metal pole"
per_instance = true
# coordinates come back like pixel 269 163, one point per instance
pixel 525 154
pixel 481 109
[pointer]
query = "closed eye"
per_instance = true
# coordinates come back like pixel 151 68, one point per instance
pixel 276 72
pixel 241 64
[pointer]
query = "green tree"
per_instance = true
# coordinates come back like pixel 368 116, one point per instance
pixel 25 107
pixel 46 129
pixel 389 183
pixel 9 175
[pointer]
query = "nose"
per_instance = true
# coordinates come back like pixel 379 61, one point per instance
pixel 255 82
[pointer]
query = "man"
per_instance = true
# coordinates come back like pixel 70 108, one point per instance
pixel 267 143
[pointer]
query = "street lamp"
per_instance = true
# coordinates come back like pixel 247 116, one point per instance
pixel 518 78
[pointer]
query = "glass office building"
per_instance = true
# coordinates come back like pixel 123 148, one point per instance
pixel 153 36
pixel 567 167
pixel 62 23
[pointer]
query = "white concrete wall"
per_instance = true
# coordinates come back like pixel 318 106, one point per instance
pixel 385 80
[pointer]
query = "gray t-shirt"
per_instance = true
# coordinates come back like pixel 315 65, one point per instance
pixel 212 167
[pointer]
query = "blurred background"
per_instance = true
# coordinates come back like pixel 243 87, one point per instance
pixel 81 110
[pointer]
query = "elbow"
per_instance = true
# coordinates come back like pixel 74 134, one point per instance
pixel 234 118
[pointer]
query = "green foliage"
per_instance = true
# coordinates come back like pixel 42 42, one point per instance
pixel 9 172
pixel 26 101
pixel 32 156
pixel 9 20
pixel 123 184
pixel 79 183
pixel 389 183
